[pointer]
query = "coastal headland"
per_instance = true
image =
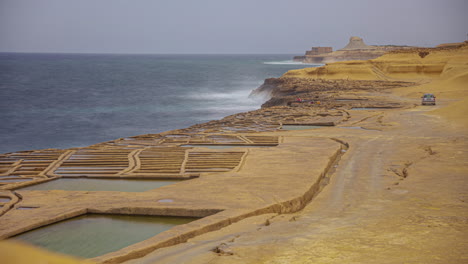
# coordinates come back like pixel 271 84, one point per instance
pixel 341 165
pixel 356 49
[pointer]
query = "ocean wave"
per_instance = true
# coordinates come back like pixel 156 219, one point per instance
pixel 239 95
pixel 218 104
pixel 291 62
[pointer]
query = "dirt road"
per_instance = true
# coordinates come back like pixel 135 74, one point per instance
pixel 397 196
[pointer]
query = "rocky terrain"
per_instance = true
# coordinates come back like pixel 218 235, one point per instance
pixel 376 178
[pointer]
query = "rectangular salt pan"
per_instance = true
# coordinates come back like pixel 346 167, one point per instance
pixel 299 127
pixel 225 146
pixel 90 236
pixel 83 184
pixel 371 108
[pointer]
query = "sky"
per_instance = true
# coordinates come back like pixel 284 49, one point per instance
pixel 224 26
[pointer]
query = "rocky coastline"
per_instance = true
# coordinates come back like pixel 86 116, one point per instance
pixel 369 162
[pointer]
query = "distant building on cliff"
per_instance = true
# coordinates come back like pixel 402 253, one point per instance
pixel 355 50
pixel 315 51
pixel 319 50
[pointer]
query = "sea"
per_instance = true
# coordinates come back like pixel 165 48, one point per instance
pixel 75 100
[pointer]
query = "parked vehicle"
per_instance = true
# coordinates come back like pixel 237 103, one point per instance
pixel 428 99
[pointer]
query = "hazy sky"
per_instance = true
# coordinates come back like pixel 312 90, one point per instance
pixel 224 26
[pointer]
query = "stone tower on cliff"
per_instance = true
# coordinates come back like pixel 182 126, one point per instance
pixel 356 43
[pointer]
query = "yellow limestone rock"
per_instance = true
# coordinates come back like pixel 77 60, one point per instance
pixel 18 253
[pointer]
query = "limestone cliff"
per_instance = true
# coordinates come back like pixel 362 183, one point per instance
pixel 410 63
pixel 398 68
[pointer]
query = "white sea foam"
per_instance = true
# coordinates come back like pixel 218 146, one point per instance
pixel 220 104
pixel 291 62
pixel 223 109
pixel 234 95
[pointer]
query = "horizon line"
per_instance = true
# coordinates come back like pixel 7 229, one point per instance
pixel 143 53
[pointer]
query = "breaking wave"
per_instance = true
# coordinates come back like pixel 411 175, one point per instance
pixel 211 95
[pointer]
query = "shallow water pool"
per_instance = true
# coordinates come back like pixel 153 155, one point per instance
pixel 348 100
pixel 84 184
pixel 5 199
pixel 90 236
pixel 225 146
pixel 299 127
pixel 8 177
pixel 15 180
pixel 358 127
pixel 371 108
pixel 352 127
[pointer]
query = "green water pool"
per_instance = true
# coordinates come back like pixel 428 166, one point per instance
pixel 85 184
pixel 91 235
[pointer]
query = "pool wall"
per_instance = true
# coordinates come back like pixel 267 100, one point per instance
pixel 7 205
